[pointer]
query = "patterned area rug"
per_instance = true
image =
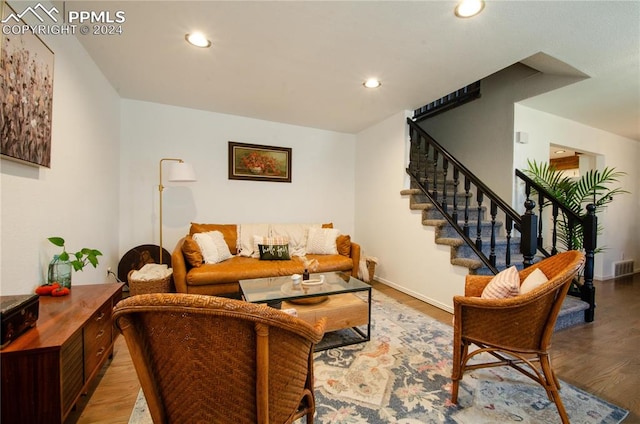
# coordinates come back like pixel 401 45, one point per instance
pixel 403 376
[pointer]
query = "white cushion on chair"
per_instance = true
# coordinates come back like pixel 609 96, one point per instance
pixel 533 280
pixel 505 284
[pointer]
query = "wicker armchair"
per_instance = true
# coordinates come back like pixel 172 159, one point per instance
pixel 517 331
pixel 216 360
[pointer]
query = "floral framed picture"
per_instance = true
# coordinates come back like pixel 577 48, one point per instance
pixel 26 94
pixel 259 163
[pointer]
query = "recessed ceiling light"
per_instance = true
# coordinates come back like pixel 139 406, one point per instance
pixel 198 39
pixel 372 83
pixel 469 8
pixel 557 152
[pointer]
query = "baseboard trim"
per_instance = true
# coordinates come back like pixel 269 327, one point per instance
pixel 412 293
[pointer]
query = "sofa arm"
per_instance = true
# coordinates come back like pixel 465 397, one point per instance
pixel 179 266
pixel 355 256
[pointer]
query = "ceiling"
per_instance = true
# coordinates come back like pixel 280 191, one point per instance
pixel 304 62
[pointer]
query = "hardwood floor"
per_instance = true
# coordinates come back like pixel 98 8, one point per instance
pixel 602 357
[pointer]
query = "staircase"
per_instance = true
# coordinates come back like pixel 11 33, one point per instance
pixel 504 248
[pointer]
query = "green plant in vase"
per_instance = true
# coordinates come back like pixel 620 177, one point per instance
pixel 60 266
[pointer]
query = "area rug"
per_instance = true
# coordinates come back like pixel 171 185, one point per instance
pixel 403 376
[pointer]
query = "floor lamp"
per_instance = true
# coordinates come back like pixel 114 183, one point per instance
pixel 178 171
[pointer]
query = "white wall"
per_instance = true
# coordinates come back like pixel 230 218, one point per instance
pixel 621 229
pixel 409 259
pixel 322 187
pixel 77 198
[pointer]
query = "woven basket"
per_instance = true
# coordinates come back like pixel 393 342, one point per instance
pixel 371 267
pixel 162 285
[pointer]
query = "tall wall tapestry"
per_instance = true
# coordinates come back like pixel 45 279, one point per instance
pixel 259 163
pixel 26 94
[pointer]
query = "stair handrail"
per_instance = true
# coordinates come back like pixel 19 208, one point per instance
pixel 470 178
pixel 474 179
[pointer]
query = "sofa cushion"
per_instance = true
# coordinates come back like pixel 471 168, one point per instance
pixel 272 241
pixel 274 252
pixel 322 241
pixel 343 244
pixel 229 231
pixel 242 268
pixel 191 252
pixel 213 247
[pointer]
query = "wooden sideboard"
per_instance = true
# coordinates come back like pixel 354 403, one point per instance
pixel 46 370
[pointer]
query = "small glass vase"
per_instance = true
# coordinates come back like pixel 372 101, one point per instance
pixel 60 272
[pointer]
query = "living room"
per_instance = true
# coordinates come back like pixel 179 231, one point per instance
pixel 101 190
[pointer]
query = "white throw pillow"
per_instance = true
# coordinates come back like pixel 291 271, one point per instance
pixel 213 247
pixel 533 280
pixel 322 241
pixel 504 284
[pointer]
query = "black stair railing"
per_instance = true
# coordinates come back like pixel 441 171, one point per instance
pixel 430 166
pixel 575 225
pixel 440 177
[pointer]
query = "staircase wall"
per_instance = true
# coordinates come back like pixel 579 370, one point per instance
pixel 409 259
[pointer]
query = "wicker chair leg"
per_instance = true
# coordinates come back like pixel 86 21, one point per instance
pixel 459 352
pixel 553 388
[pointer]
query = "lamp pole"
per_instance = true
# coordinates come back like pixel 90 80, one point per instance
pixel 161 189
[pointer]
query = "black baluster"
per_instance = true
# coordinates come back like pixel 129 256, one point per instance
pixel 467 187
pixel 426 165
pixel 540 207
pixel 571 234
pixel 434 192
pixel 494 212
pixel 445 166
pixel 528 241
pixel 554 234
pixel 588 291
pixel 479 198
pixel 455 194
pixel 509 227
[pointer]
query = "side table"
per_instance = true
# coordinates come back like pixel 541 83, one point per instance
pixel 46 369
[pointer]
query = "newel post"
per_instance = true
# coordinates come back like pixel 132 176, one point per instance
pixel 528 232
pixel 590 230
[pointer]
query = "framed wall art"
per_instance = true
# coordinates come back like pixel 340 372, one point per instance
pixel 259 163
pixel 26 93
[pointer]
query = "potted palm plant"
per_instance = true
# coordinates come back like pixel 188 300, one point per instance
pixel 575 194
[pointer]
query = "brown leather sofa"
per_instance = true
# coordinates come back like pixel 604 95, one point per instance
pixel 222 278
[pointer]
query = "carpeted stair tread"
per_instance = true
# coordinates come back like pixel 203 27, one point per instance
pixel 449 241
pixel 572 312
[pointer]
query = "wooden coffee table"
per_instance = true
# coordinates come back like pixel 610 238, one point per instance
pixel 344 300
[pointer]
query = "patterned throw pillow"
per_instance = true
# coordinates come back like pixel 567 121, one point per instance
pixel 274 252
pixel 505 284
pixel 322 241
pixel 272 241
pixel 213 247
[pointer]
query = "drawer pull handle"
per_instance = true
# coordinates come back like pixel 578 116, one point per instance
pixel 99 317
pixel 100 334
pixel 100 352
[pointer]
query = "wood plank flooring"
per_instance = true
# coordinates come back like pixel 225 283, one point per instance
pixel 602 357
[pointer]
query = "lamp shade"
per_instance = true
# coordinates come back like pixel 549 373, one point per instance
pixel 180 171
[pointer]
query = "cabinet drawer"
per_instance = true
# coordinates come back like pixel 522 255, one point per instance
pixel 97 339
